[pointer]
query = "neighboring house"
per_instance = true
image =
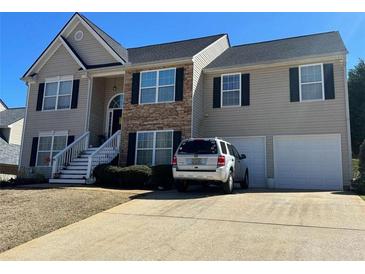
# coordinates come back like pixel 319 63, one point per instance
pixel 283 103
pixel 11 128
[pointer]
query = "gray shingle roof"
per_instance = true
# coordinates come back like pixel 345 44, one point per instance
pixel 295 47
pixel 116 46
pixel 9 153
pixel 173 50
pixel 11 115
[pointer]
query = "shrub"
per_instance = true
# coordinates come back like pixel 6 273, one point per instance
pixel 131 176
pixel 161 177
pixel 362 158
pixel 37 178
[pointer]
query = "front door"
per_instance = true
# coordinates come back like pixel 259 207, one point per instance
pixel 117 120
pixel 114 114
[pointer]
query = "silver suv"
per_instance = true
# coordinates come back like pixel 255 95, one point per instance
pixel 209 160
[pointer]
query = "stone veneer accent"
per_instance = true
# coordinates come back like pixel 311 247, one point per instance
pixel 175 116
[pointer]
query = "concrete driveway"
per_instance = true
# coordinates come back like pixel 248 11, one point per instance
pixel 205 225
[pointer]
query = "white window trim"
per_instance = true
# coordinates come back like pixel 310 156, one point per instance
pixel 154 144
pixel 49 134
pixel 157 86
pixel 57 80
pixel 317 82
pixel 240 91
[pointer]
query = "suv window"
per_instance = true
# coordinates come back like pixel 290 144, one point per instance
pixel 223 147
pixel 198 147
pixel 233 151
pixel 236 153
pixel 230 149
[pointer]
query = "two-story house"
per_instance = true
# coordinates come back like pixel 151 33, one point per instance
pixel 283 103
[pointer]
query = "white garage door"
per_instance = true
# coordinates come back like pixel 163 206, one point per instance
pixel 308 162
pixel 254 148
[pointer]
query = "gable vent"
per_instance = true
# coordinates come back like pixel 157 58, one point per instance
pixel 78 35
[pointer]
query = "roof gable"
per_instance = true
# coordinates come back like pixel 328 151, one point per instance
pixel 89 49
pixel 60 63
pixel 65 31
pixel 115 45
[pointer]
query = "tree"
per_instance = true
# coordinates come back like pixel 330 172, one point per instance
pixel 356 84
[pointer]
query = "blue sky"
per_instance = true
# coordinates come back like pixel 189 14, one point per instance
pixel 23 36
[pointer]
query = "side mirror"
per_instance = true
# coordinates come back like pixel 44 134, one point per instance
pixel 243 156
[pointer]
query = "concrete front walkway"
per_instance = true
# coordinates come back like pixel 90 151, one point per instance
pixel 205 225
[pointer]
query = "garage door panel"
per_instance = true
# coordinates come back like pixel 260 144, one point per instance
pixel 308 162
pixel 255 149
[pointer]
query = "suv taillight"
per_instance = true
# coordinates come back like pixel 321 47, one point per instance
pixel 221 160
pixel 174 161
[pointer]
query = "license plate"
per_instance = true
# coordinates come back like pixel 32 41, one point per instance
pixel 196 161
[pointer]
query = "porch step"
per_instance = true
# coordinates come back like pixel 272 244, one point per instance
pixel 76 167
pixel 80 164
pixel 74 171
pixel 72 176
pixel 67 181
pixel 80 160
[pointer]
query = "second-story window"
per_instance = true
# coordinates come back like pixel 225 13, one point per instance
pixel 157 86
pixel 311 82
pixel 57 93
pixel 231 90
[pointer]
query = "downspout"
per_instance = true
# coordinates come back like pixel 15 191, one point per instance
pixel 24 125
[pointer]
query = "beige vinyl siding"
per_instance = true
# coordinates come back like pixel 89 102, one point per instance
pixel 271 113
pixel 89 49
pixel 201 60
pixel 16 132
pixel 73 120
pixel 96 121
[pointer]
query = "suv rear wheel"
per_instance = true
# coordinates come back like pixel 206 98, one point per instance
pixel 228 185
pixel 181 185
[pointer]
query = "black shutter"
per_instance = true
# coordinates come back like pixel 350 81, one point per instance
pixel 131 148
pixel 179 84
pixel 245 89
pixel 33 154
pixel 294 84
pixel 135 88
pixel 40 96
pixel 75 93
pixel 216 92
pixel 70 139
pixel 176 140
pixel 329 82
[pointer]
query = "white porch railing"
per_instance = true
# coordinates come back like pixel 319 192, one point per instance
pixel 72 151
pixel 105 153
